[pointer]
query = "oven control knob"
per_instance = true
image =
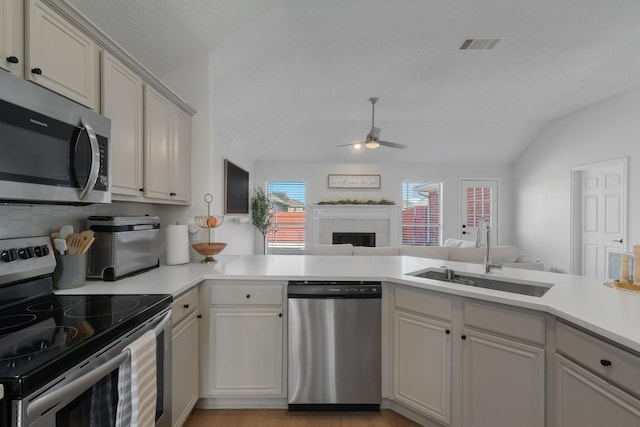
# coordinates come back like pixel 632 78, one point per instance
pixel 30 252
pixel 8 255
pixel 41 251
pixel 25 253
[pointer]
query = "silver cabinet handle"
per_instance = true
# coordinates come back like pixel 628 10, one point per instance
pixel 95 159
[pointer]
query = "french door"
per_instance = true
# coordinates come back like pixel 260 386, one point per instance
pixel 478 200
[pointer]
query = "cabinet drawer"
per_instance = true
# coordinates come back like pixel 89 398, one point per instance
pixel 184 305
pixel 607 360
pixel 510 323
pixel 423 302
pixel 246 295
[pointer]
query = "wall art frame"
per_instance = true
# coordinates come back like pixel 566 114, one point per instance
pixel 354 181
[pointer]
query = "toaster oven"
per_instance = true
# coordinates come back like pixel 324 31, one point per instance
pixel 124 246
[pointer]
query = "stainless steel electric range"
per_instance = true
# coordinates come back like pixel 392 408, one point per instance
pixel 59 354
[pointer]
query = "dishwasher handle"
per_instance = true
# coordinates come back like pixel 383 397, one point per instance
pixel 333 290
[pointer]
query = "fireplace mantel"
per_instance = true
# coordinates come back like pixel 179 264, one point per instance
pixel 384 220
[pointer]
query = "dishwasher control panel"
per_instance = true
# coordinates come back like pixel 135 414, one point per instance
pixel 334 289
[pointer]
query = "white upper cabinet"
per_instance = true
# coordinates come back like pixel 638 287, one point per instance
pixel 11 36
pixel 122 103
pixel 167 149
pixel 157 139
pixel 181 147
pixel 60 56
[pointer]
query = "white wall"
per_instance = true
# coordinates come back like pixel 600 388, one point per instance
pixel 194 82
pixel 392 175
pixel 607 130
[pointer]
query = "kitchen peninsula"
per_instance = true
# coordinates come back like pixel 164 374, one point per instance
pixel 547 341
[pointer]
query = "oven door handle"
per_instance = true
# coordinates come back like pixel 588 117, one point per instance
pixel 48 401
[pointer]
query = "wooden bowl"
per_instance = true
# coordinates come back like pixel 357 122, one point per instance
pixel 208 250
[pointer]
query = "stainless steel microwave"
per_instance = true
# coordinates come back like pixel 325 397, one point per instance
pixel 52 150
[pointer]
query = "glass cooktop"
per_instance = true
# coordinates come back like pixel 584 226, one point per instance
pixel 40 339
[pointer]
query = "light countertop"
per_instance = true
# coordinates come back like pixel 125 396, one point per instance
pixel 584 301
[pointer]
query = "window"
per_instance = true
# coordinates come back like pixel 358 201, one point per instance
pixel 286 235
pixel 421 213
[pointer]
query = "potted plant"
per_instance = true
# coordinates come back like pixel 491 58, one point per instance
pixel 261 215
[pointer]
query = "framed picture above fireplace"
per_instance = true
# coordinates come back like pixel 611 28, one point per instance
pixel 354 181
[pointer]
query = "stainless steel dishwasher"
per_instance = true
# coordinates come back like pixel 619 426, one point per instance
pixel 334 345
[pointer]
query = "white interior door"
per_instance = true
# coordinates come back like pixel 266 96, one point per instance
pixel 602 216
pixel 478 200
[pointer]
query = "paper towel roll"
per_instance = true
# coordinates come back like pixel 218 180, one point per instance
pixel 177 244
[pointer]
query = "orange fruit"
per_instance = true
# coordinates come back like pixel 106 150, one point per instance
pixel 212 222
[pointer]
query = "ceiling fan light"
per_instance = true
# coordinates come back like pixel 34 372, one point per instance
pixel 357 146
pixel 372 144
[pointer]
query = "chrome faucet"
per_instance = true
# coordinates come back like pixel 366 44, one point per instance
pixel 488 265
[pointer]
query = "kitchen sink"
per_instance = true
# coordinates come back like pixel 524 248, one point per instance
pixel 534 289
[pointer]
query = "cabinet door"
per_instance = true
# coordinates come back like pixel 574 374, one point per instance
pixel 122 103
pixel 184 368
pixel 502 381
pixel 585 400
pixel 245 351
pixel 157 140
pixel 11 36
pixel 181 145
pixel 422 365
pixel 59 56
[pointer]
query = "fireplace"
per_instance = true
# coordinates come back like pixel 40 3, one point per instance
pixel 356 239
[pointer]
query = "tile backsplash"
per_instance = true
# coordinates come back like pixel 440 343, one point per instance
pixel 40 220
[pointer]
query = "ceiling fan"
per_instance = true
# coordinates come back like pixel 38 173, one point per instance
pixel 373 137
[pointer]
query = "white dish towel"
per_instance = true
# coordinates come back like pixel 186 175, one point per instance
pixel 137 391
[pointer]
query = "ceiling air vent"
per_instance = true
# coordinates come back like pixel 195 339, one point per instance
pixel 476 44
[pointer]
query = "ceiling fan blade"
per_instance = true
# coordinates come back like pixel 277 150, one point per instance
pixel 392 144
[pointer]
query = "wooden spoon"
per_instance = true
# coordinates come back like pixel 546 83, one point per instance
pixel 75 244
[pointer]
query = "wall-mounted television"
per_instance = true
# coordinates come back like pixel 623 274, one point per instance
pixel 236 189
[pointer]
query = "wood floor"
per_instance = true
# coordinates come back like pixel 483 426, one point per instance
pixel 282 417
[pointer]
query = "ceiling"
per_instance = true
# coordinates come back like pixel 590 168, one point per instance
pixel 292 78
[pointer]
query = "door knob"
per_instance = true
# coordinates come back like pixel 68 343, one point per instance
pixel 618 241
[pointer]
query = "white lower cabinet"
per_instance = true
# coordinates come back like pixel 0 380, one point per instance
pixel 461 362
pixel 185 370
pixel 185 374
pixel 246 351
pixel 503 366
pixel 422 368
pixel 503 382
pixel 597 383
pixel 246 356
pixel 422 352
pixel 585 400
